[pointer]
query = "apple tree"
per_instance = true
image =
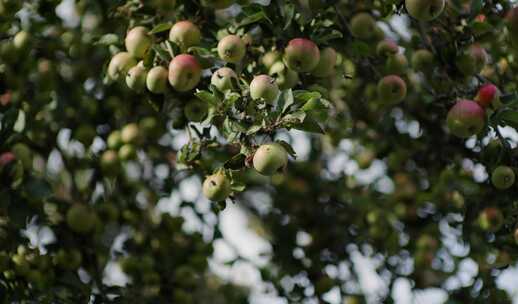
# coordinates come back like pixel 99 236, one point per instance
pixel 382 129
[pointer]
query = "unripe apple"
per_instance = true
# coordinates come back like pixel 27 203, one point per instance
pixel 363 26
pixel 491 219
pixel 326 64
pixel 301 55
pixel 425 10
pixel 138 41
pixel 516 236
pixel 472 60
pixel 130 133
pixel 387 47
pixel 156 80
pixel 127 152
pixel 109 162
pixel 231 49
pixel 136 78
pixel 120 65
pixel 264 86
pixel 466 118
pixel 217 4
pixel 423 60
pixel 184 72
pixel 114 140
pixel 80 218
pixel 396 64
pixel 21 40
pixel 224 79
pixel 185 34
pixel 196 110
pixel 488 95
pixel 284 77
pixel 217 187
pixel 269 158
pixel 269 58
pixel 391 89
pixel 503 177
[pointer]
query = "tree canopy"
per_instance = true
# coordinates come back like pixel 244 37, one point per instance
pixel 341 127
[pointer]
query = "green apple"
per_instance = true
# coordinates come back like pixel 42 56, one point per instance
pixel 185 34
pixel 264 87
pixel 120 65
pixel 224 79
pixel 231 49
pixel 391 89
pixel 326 64
pixel 156 80
pixel 217 187
pixel 138 41
pixel 269 158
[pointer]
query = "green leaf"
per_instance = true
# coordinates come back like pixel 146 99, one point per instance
pixel 476 7
pixel 509 118
pixel 235 163
pixel 208 97
pixel 162 27
pixel 305 96
pixel 309 125
pixel 19 125
pixel 254 129
pixel 238 187
pixel 189 152
pixel 287 147
pixel 289 13
pixel 286 100
pixel 296 117
pixel 254 18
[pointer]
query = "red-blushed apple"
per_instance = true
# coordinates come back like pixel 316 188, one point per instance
pixel 301 55
pixel 466 118
pixel 391 89
pixel 184 72
pixel 491 219
pixel 423 60
pixel 387 47
pixel 6 158
pixel 488 95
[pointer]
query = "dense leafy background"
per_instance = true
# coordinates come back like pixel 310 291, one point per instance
pixel 387 181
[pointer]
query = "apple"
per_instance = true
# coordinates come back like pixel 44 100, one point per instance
pixel 326 64
pixel 184 72
pixel 120 64
pixel 488 95
pixel 185 34
pixel 301 55
pixel 264 87
pixel 21 40
pixel 130 133
pixel 423 60
pixel 391 89
pixel 284 77
pixel 156 80
pixel 231 49
pixel 387 47
pixel 138 41
pixel 224 79
pixel 269 58
pixel 269 158
pixel 127 152
pixel 363 26
pixel 466 118
pixel 472 60
pixel 503 177
pixel 217 187
pixel 491 219
pixel 396 64
pixel 136 78
pixel 425 10
pixel 114 140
